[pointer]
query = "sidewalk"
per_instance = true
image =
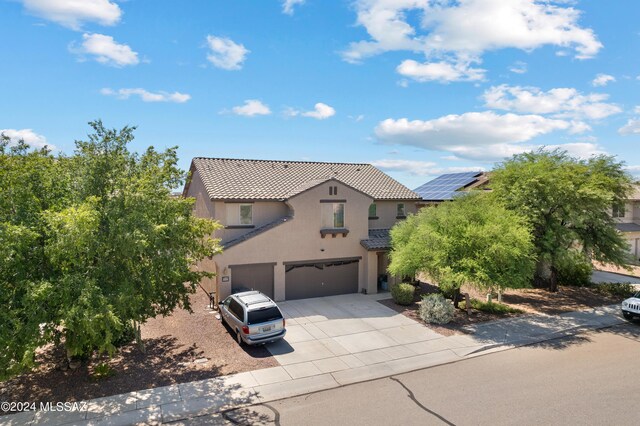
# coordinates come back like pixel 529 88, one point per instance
pixel 182 401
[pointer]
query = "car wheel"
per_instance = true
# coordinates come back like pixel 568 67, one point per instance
pixel 239 337
pixel 627 315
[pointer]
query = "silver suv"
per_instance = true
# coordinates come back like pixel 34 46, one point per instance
pixel 254 317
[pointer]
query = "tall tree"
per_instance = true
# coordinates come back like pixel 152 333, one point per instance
pixel 567 201
pixel 91 244
pixel 471 240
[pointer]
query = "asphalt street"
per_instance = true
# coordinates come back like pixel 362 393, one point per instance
pixel 585 379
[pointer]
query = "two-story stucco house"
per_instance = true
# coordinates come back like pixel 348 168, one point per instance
pixel 297 229
pixel 627 216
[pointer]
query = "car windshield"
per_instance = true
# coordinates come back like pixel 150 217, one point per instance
pixel 264 315
pixel 637 295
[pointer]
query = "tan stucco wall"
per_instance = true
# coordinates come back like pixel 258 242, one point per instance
pixel 263 212
pixel 203 206
pixel 387 210
pixel 299 239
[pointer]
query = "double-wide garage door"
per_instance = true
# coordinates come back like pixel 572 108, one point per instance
pixel 320 278
pixel 257 276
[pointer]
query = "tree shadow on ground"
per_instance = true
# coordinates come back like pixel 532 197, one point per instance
pixel 627 330
pixel 163 362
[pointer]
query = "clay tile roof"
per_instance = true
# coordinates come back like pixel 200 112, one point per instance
pixel 379 239
pixel 229 179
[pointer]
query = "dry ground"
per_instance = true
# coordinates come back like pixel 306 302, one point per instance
pixel 529 301
pixel 180 348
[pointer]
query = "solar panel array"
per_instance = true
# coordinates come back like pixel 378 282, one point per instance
pixel 444 187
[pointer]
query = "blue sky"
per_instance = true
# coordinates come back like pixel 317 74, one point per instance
pixel 416 87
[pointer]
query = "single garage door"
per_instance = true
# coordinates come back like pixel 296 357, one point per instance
pixel 257 276
pixel 318 279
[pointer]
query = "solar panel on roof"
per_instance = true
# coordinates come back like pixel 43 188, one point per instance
pixel 444 187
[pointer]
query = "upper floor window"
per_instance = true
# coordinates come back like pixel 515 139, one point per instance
pixel 618 210
pixel 400 210
pixel 239 214
pixel 333 215
pixel 373 213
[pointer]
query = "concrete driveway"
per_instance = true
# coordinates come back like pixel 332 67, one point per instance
pixel 336 333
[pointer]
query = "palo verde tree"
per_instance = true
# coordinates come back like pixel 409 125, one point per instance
pixel 92 244
pixel 471 240
pixel 567 202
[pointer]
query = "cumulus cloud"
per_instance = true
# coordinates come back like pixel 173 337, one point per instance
pixel 475 135
pixel 225 53
pixel 518 67
pixel 559 102
pixel 459 32
pixel 251 108
pixel 419 168
pixel 320 111
pixel 30 137
pixel 439 71
pixel 602 80
pixel 106 50
pixel 631 128
pixel 288 5
pixel 147 96
pixel 74 13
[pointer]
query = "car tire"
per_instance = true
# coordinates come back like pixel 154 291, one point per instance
pixel 239 337
pixel 627 315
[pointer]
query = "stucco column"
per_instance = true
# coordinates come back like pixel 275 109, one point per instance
pixel 372 272
pixel 278 282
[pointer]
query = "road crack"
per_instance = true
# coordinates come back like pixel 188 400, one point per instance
pixel 419 404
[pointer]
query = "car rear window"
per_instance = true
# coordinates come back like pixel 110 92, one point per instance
pixel 264 315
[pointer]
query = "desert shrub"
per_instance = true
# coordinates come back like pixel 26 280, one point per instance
pixel 436 309
pixel 102 371
pixel 491 308
pixel 574 270
pixel 402 293
pixel 615 290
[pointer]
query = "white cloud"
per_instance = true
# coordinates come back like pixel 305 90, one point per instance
pixel 288 5
pixel 603 80
pixel 321 111
pixel 356 118
pixel 105 50
pixel 420 168
pixel 458 32
pixel 251 108
pixel 560 102
pixel 225 53
pixel 73 13
pixel 631 128
pixel 471 128
pixel 147 96
pixel 439 71
pixel 30 137
pixel 518 67
pixel 476 135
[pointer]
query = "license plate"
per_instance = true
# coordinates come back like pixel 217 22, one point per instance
pixel 267 328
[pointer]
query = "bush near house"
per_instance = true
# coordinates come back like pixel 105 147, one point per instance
pixel 574 270
pixel 615 290
pixel 402 293
pixel 435 309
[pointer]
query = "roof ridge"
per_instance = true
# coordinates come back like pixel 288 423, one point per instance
pixel 283 161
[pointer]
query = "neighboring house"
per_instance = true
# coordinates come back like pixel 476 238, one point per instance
pixel 627 216
pixel 296 229
pixel 446 187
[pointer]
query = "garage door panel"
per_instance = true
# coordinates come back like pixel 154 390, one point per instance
pixel 319 280
pixel 252 277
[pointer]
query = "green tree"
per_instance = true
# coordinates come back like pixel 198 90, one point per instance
pixel 471 240
pixel 567 201
pixel 91 244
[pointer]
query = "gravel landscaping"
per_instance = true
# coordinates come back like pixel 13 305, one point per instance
pixel 528 301
pixel 180 348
